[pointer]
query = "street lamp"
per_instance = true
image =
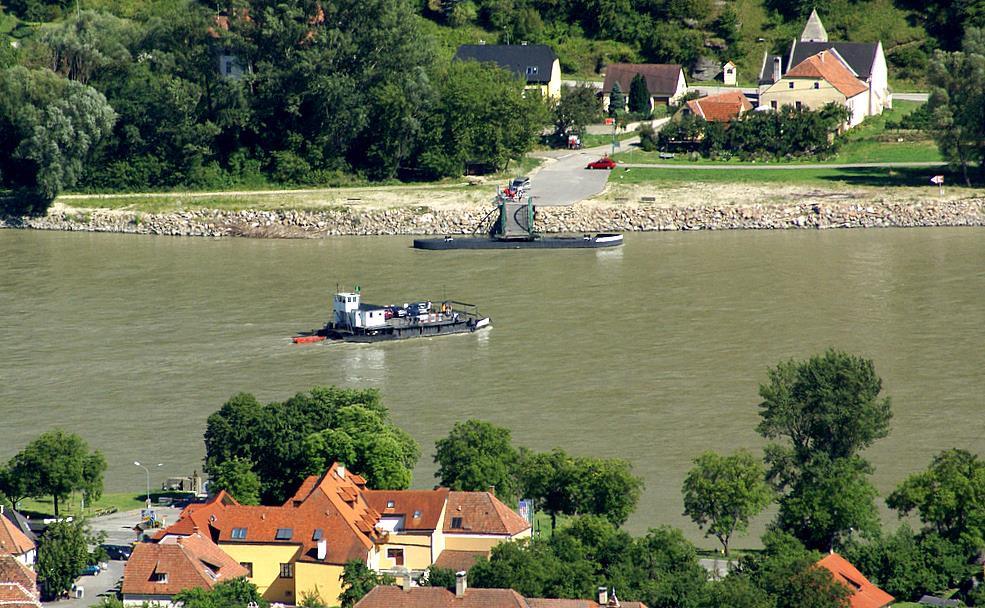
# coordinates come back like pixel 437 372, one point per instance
pixel 146 470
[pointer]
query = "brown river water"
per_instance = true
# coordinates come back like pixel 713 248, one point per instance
pixel 652 353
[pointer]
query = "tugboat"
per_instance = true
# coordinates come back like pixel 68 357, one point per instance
pixel 514 229
pixel 354 321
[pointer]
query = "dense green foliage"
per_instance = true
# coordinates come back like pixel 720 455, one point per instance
pixel 225 594
pixel 287 441
pixel 957 103
pixel 578 107
pixel 358 580
pixel 721 493
pixel 62 554
pixel 826 410
pixel 786 133
pixel 476 455
pixel 786 572
pixel 237 478
pixel 55 464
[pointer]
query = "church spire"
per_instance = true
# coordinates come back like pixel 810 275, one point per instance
pixel 814 30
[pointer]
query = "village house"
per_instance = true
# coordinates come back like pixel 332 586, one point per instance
pixel 16 538
pixel 18 584
pixel 864 593
pixel 817 81
pixel 729 74
pixel 156 572
pixel 664 82
pixel 718 108
pixel 300 547
pixel 865 60
pixel 390 596
pixel 537 64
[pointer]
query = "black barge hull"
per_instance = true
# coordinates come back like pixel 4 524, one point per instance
pixel 423 330
pixel 597 241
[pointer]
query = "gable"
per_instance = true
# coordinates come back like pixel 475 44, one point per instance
pixel 859 56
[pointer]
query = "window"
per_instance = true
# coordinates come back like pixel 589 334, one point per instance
pixel 417 514
pixel 799 105
pixel 159 577
pixel 239 533
pixel 390 504
pixel 287 570
pixel 249 568
pixel 791 85
pixel 284 534
pixel 531 70
pixel 817 85
pixel 456 523
pixel 317 534
pixel 229 67
pixel 397 555
pixel 774 104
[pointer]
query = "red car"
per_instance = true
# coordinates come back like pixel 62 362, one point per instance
pixel 603 163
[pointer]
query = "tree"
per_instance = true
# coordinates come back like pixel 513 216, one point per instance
pixel 787 572
pixel 949 497
pixel 736 591
pixel 62 554
pixel 827 405
pixel 288 441
pixel 578 107
pixel 639 95
pixel 56 464
pixel 225 594
pixel 358 580
pixel 721 493
pixel 956 103
pixel 476 455
pixel 560 484
pixel 617 101
pixel 439 577
pixel 236 477
pixel 829 500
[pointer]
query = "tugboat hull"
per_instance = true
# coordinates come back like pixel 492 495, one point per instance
pixel 597 241
pixel 386 334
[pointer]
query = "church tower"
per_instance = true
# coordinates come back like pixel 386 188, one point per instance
pixel 814 30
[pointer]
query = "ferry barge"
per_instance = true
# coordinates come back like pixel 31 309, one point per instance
pixel 355 321
pixel 514 229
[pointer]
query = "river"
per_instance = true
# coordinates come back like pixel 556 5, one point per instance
pixel 652 353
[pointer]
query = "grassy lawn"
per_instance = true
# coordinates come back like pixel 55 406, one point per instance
pixel 877 177
pixel 123 501
pixel 590 141
pixel 869 142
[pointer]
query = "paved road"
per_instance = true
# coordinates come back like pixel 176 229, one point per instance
pixel 118 529
pixel 778 167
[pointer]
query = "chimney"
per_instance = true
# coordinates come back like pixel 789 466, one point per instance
pixel 603 596
pixel 340 470
pixel 492 489
pixel 322 549
pixel 821 55
pixel 776 69
pixel 460 584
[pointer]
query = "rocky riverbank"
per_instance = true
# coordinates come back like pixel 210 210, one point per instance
pixel 586 217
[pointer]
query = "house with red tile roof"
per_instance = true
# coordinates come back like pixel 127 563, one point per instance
pixel 18 584
pixel 389 596
pixel 15 541
pixel 723 107
pixel 817 81
pixel 156 572
pixel 301 546
pixel 864 593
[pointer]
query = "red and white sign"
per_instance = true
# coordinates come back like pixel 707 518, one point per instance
pixel 937 179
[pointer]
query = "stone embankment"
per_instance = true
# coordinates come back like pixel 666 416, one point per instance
pixel 586 217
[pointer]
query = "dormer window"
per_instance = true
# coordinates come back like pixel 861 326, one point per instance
pixel 238 534
pixel 417 514
pixel 531 70
pixel 390 504
pixel 284 534
pixel 317 534
pixel 159 577
pixel 456 523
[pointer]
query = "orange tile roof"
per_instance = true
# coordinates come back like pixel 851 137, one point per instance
pixel 865 594
pixel 331 503
pixel 481 513
pixel 13 571
pixel 12 540
pixel 458 560
pixel 826 66
pixel 720 108
pixel 428 503
pixel 15 595
pixel 188 562
pixel 388 596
